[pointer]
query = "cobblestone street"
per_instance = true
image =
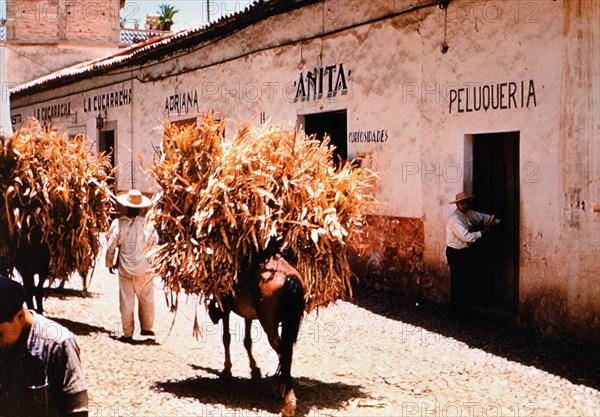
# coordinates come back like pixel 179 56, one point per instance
pixel 377 355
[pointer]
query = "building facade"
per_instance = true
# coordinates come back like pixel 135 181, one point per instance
pixel 44 36
pixel 496 98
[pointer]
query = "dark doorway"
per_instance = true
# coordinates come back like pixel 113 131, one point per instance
pixel 496 189
pixel 106 144
pixel 332 123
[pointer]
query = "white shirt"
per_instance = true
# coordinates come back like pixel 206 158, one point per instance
pixel 461 228
pixel 132 237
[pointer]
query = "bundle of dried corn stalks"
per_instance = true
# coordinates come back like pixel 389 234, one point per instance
pixel 221 203
pixel 56 195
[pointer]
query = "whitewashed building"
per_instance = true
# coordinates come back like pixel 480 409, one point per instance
pixel 497 98
pixel 5 124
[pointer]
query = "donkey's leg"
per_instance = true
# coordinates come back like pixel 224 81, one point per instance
pixel 289 407
pixel 29 284
pixel 84 283
pixel 290 326
pixel 285 386
pixel 255 370
pixel 226 373
pixel 39 293
pixel 271 328
pixel 35 293
pixel 39 300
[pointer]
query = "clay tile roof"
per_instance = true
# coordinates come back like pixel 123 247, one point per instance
pixel 129 36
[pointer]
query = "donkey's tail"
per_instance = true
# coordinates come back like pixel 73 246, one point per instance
pixel 292 311
pixel 291 317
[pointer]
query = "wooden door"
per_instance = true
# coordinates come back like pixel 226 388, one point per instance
pixel 496 188
pixel 107 145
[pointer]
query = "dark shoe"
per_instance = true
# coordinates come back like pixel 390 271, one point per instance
pixel 125 339
pixel 147 333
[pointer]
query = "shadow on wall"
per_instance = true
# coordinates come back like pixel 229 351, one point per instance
pixel 576 363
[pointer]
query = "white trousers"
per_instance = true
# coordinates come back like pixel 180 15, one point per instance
pixel 130 287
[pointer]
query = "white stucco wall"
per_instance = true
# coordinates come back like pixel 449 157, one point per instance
pixel 28 62
pixel 5 122
pixel 550 43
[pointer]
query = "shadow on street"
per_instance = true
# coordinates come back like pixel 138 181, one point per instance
pixel 62 293
pixel 79 328
pixel 578 364
pixel 249 394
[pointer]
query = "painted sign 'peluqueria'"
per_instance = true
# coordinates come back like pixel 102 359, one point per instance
pixel 509 95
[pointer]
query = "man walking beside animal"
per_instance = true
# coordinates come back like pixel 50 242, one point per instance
pixel 132 235
pixel 40 367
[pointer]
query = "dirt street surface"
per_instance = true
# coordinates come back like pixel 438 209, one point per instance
pixel 376 355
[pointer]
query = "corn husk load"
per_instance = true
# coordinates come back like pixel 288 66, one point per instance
pixel 221 203
pixel 55 194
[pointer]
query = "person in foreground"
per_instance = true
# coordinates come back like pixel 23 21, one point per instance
pixel 463 228
pixel 132 234
pixel 40 367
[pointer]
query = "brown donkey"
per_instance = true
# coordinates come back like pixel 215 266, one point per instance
pixel 271 291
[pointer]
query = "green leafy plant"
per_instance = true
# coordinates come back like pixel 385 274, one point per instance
pixel 166 12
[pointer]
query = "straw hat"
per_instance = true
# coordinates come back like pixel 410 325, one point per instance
pixel 461 196
pixel 134 199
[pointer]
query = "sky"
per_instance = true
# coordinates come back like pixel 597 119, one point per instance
pixel 191 12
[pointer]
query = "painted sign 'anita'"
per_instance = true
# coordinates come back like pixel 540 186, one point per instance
pixel 325 80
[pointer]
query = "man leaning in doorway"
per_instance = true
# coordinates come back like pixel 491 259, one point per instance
pixel 463 228
pixel 132 234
